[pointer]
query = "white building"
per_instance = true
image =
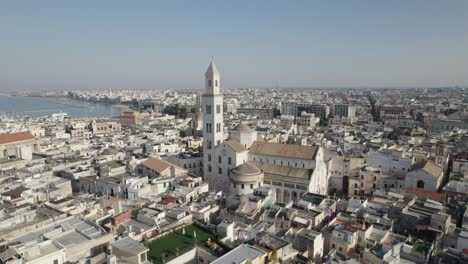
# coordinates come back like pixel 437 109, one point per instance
pixel 427 178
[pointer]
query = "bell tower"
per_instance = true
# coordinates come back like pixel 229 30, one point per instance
pixel 212 108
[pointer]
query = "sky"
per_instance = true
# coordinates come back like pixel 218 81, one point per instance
pixel 77 45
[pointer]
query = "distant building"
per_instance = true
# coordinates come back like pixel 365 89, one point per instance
pixel 262 113
pixel 130 118
pixel 393 111
pixel 321 111
pixel 307 120
pixel 105 127
pixel 343 110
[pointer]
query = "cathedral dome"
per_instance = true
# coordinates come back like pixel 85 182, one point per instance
pixel 243 128
pixel 245 178
pixel 247 169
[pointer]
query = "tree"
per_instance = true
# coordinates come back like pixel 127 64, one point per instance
pixel 176 110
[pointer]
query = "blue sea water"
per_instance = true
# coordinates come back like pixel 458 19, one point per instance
pixel 40 107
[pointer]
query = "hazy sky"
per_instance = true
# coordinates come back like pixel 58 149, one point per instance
pixel 156 44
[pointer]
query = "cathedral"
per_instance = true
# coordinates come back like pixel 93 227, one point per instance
pixel 243 162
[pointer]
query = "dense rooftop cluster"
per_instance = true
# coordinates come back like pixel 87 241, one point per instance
pixel 299 176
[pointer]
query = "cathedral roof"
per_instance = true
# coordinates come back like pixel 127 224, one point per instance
pixel 235 145
pixel 284 150
pixel 243 128
pixel 248 168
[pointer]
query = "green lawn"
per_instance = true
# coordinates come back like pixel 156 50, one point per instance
pixel 168 245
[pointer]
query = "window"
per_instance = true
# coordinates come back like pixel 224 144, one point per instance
pixel 420 184
pixel 242 186
pixel 216 83
pixel 209 168
pixel 235 185
pixel 355 185
pixel 251 186
pixel 229 160
pixel 208 109
pixel 220 159
pixel 218 109
pixel 209 157
pixel 340 249
pixel 143 257
pixel 209 83
pixel 220 171
pixel 208 144
pixel 277 183
pixel 375 178
pixel 333 246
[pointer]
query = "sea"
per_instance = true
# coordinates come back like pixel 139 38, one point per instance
pixel 15 106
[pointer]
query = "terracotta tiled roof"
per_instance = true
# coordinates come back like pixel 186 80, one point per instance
pixel 112 198
pixel 168 200
pixel 157 165
pixel 14 137
pixel 425 194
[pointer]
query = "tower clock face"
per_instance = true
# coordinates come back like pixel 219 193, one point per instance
pixel 224 152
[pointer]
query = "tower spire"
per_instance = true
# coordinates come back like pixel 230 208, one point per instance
pixel 212 79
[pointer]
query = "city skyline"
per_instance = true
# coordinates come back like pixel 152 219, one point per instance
pixel 65 46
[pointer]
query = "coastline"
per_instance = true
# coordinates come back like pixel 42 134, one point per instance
pixel 122 107
pixel 40 106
